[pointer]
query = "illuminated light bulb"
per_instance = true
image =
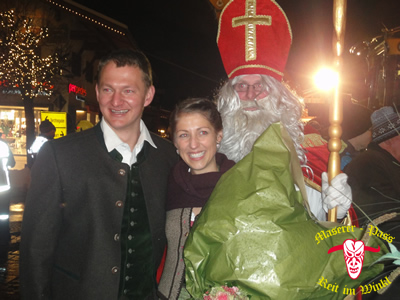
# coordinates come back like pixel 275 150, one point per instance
pixel 326 79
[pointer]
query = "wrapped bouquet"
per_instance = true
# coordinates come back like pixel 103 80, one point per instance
pixel 255 234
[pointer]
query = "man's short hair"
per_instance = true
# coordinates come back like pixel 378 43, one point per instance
pixel 46 126
pixel 128 57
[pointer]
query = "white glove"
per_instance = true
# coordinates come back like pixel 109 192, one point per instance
pixel 338 194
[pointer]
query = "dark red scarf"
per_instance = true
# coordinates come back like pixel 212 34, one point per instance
pixel 187 190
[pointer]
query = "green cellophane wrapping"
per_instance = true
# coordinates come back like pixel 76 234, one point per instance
pixel 255 233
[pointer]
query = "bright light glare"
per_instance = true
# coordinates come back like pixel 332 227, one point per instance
pixel 4 217
pixel 326 79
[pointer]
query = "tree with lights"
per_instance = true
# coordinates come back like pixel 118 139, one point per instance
pixel 22 67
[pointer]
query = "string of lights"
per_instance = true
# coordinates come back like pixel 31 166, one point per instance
pixel 85 17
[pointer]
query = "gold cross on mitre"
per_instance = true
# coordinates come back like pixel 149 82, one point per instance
pixel 251 20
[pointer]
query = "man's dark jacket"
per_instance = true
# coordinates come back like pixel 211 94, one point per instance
pixel 374 177
pixel 69 242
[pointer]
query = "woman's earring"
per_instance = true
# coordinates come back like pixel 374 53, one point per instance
pixel 218 145
pixel 177 151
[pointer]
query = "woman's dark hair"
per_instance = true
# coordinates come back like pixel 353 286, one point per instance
pixel 128 57
pixel 196 105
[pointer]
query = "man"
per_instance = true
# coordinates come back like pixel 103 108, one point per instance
pixel 374 177
pixel 94 217
pixel 254 232
pixel 254 49
pixel 47 132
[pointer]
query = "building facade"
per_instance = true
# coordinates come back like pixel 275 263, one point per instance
pixel 85 35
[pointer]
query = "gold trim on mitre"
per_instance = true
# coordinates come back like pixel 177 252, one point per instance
pixel 251 50
pixel 255 66
pixel 250 20
pixel 287 21
pixel 220 19
pixel 225 7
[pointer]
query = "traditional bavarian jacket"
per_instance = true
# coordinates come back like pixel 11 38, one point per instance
pixel 75 234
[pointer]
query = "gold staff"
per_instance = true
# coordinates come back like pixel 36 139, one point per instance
pixel 336 114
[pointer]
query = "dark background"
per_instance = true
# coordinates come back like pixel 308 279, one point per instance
pixel 179 37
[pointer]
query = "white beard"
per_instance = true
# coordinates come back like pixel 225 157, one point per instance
pixel 243 127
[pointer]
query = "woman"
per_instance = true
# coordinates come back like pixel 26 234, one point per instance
pixel 196 130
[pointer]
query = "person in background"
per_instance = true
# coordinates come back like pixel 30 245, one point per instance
pixel 47 132
pixel 94 220
pixel 374 177
pixel 6 153
pixel 196 130
pixel 7 161
pixel 356 135
pixel 356 132
pixel 356 129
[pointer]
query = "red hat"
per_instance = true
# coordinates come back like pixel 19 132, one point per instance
pixel 254 37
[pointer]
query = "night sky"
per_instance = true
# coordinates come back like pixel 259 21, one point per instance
pixel 179 37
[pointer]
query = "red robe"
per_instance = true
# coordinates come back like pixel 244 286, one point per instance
pixel 317 153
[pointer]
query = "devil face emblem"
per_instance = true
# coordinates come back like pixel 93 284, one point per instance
pixel 353 252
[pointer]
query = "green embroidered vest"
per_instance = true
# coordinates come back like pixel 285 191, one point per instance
pixel 137 265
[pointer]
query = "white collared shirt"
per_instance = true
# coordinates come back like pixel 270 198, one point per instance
pixel 112 142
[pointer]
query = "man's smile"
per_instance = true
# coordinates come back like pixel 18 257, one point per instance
pixel 119 111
